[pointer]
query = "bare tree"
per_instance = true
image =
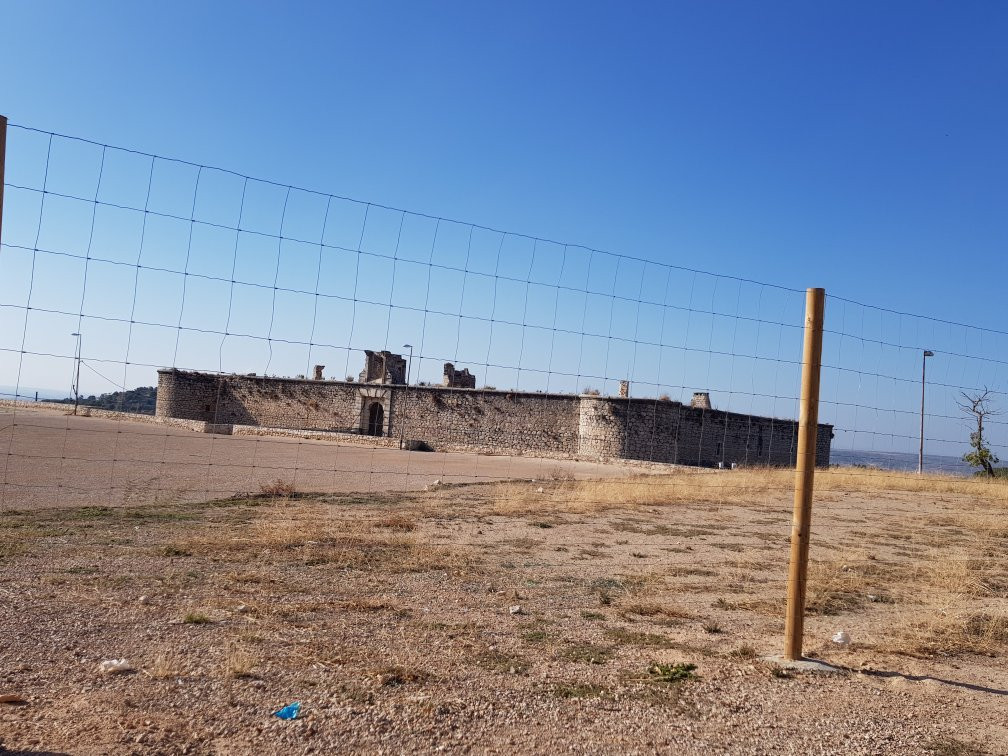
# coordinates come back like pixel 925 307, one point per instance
pixel 979 406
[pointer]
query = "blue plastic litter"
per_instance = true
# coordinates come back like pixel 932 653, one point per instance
pixel 290 711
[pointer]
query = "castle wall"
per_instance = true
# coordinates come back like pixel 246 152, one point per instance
pixel 494 421
pixel 664 431
pixel 253 400
pixel 548 425
pixel 186 396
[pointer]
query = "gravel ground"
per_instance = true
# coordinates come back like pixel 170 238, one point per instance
pixel 449 621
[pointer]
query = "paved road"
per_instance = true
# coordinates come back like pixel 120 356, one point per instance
pixel 50 459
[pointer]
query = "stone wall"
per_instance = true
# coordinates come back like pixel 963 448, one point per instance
pixel 254 400
pixel 494 421
pixel 664 431
pixel 537 424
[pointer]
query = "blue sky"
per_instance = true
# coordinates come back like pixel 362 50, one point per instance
pixel 854 146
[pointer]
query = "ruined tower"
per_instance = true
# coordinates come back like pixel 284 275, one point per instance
pixel 383 367
pixel 457 378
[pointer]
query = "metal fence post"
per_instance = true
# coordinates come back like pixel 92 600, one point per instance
pixel 815 300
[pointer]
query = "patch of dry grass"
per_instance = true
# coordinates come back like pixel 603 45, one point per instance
pixel 164 667
pixel 654 611
pixel 238 662
pixel 939 578
pixel 928 634
pixel 397 522
pixel 867 480
pixel 371 604
pixel 310 533
pixel 757 486
pixel 278 488
pixel 839 585
pixel 586 496
pixel 394 676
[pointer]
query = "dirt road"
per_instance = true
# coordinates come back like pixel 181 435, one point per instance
pixel 51 459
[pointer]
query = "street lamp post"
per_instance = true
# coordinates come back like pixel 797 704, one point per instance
pixel 76 387
pixel 409 365
pixel 920 456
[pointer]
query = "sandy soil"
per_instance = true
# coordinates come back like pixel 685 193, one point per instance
pixel 497 618
pixel 56 459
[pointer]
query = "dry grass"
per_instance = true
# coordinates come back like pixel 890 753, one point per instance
pixel 867 480
pixel 928 634
pixel 940 578
pixel 839 585
pixel 238 662
pixel 311 533
pixel 373 604
pixel 413 591
pixel 656 612
pixel 397 521
pixel 683 487
pixel 279 488
pixel 756 486
pixel 164 668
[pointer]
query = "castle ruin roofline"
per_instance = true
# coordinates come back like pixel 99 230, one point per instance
pixel 713 414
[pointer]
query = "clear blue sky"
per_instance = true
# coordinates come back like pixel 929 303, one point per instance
pixel 854 146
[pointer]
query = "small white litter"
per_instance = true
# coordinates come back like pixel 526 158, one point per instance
pixel 539 490
pixel 516 609
pixel 841 638
pixel 115 667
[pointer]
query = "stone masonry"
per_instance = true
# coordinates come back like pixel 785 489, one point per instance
pixel 701 400
pixel 457 378
pixel 383 367
pixel 483 420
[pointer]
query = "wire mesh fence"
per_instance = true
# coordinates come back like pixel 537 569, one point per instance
pixel 208 333
pixel 173 333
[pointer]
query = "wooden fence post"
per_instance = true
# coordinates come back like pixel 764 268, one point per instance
pixel 808 420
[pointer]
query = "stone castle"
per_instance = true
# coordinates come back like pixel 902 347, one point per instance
pixel 456 416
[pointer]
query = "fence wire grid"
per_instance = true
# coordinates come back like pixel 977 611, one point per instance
pixel 125 272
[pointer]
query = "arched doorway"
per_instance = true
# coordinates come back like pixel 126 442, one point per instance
pixel 376 419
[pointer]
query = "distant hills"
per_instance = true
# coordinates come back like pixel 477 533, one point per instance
pixel 141 400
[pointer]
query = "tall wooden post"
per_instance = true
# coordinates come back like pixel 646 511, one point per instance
pixel 808 420
pixel 3 161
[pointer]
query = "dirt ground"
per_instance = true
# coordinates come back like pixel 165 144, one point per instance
pixel 498 618
pixel 55 459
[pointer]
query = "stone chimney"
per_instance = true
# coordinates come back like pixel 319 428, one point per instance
pixel 624 389
pixel 318 372
pixel 701 400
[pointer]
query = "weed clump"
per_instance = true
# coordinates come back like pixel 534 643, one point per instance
pixel 278 487
pixel 671 673
pixel 393 677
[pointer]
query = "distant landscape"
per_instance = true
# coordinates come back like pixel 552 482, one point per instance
pixel 141 400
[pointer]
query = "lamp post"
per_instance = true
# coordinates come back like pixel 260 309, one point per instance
pixel 76 387
pixel 920 457
pixel 409 365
